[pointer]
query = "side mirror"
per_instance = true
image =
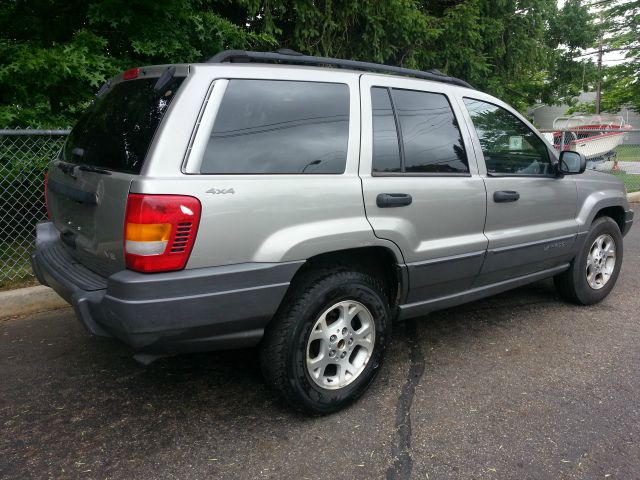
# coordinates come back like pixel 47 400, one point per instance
pixel 572 163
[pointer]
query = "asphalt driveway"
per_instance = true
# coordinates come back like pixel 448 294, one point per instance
pixel 518 386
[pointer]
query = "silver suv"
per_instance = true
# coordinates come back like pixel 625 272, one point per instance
pixel 263 199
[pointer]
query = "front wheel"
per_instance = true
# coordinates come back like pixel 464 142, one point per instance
pixel 325 345
pixel 594 271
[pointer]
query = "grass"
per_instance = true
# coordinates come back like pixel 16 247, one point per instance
pixel 631 181
pixel 628 153
pixel 28 280
pixel 15 270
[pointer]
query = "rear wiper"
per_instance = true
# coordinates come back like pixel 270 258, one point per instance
pixel 66 168
pixel 91 168
pixel 79 152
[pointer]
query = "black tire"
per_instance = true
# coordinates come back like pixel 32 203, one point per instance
pixel 572 285
pixel 283 353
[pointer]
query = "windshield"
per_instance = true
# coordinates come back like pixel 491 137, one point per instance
pixel 116 130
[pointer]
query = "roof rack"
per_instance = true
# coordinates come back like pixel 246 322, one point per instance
pixel 290 56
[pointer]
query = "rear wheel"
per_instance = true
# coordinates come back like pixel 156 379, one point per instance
pixel 325 345
pixel 594 271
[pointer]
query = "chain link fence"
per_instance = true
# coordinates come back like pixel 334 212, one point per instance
pixel 24 155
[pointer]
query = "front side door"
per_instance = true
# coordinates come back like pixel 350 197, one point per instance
pixel 531 211
pixel 420 183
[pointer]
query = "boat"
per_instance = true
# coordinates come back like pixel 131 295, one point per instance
pixel 595 136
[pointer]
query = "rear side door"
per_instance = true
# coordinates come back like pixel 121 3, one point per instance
pixel 531 211
pixel 420 183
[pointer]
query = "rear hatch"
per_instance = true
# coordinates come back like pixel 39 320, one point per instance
pixel 88 184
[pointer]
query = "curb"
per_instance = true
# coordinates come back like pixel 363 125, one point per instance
pixel 24 301
pixel 633 197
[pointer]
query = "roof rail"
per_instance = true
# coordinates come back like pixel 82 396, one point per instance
pixel 290 56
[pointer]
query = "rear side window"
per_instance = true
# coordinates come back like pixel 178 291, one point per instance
pixel 430 133
pixel 415 132
pixel 386 149
pixel 279 127
pixel 115 132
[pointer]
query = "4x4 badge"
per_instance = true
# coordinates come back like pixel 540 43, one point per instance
pixel 220 191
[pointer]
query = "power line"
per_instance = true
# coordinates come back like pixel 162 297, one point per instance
pixel 604 50
pixel 601 2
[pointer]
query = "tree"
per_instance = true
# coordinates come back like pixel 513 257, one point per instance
pixel 55 55
pixel 622 82
pixel 519 50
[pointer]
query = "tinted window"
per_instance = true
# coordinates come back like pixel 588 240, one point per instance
pixel 116 130
pixel 430 133
pixel 508 145
pixel 386 152
pixel 280 127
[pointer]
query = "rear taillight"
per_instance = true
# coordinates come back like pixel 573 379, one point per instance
pixel 46 200
pixel 160 231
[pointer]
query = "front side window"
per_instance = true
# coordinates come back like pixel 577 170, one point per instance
pixel 508 145
pixel 279 127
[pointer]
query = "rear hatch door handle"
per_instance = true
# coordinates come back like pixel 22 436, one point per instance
pixel 73 193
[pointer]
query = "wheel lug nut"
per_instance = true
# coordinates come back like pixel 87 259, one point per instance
pixel 344 354
pixel 344 331
pixel 332 353
pixel 333 338
pixel 350 341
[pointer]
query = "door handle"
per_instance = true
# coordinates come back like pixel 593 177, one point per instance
pixel 505 196
pixel 391 200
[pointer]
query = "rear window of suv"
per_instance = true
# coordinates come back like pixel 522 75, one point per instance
pixel 115 132
pixel 279 127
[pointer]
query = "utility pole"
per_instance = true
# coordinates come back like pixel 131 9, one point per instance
pixel 599 84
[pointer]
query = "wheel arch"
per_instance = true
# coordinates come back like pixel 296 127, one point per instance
pixel 611 203
pixel 378 261
pixel 616 213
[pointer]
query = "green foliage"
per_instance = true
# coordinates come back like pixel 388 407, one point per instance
pixel 394 31
pixel 580 107
pixel 622 82
pixel 506 47
pixel 44 86
pixel 54 54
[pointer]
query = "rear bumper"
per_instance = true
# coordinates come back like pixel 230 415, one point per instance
pixel 212 308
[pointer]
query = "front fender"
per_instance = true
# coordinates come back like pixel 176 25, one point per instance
pixel 596 193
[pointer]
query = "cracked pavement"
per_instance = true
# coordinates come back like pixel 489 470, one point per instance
pixel 521 385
